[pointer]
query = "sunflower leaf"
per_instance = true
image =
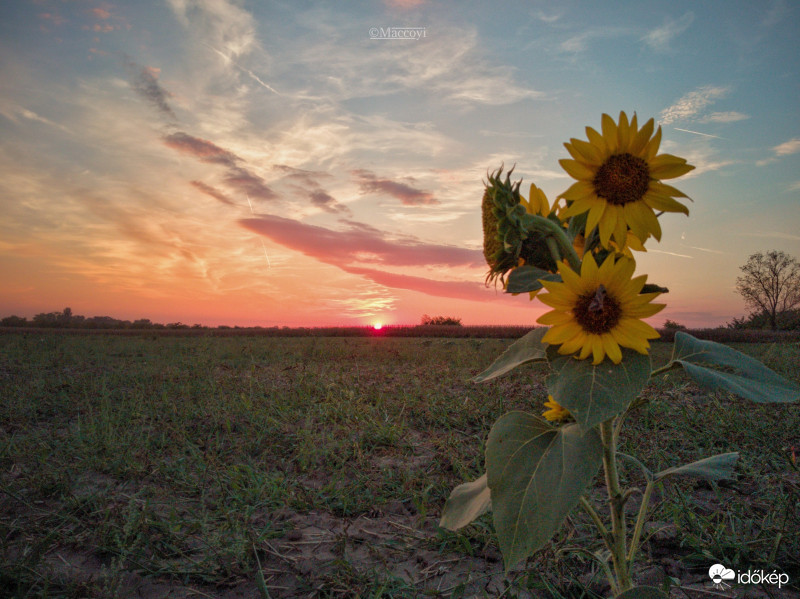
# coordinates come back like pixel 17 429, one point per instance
pixel 528 348
pixel 714 468
pixel 716 366
pixel 593 394
pixel 537 474
pixel 466 502
pixel 527 278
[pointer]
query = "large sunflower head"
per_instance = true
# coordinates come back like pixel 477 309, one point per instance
pixel 599 310
pixel 619 175
pixel 507 242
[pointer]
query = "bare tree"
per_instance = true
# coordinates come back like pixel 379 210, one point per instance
pixel 770 284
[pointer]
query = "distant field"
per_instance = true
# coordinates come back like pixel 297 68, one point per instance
pixel 150 465
pixel 722 335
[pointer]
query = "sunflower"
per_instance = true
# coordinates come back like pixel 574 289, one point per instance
pixel 599 310
pixel 555 412
pixel 619 177
pixel 507 240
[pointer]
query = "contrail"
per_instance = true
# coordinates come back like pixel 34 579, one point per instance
pixel 698 133
pixel 263 247
pixel 248 71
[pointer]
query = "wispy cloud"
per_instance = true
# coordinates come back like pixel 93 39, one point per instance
pixel 222 23
pixel 724 117
pixel 236 175
pixel 214 193
pixel 144 81
pixel 579 43
pixel 201 149
pixel 408 195
pixel 785 149
pixel 660 38
pixel 692 103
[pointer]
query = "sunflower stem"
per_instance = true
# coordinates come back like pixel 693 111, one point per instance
pixel 615 500
pixel 637 531
pixel 559 244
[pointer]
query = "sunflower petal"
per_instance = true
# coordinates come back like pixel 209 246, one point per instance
pixel 667 166
pixel 577 170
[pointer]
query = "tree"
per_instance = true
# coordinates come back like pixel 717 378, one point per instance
pixel 440 320
pixel 770 284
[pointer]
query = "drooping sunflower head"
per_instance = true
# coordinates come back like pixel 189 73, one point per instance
pixel 619 175
pixel 599 310
pixel 507 242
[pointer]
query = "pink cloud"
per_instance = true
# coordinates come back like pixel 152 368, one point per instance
pixel 360 243
pixel 407 194
pixel 466 290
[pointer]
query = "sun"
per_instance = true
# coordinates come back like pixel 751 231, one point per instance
pixel 377 326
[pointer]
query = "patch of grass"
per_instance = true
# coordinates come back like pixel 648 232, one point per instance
pixel 197 466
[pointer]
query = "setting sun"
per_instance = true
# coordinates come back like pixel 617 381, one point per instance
pixel 377 326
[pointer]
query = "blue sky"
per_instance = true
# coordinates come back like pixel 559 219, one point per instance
pixel 268 163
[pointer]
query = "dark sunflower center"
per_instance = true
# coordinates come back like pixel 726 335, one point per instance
pixel 622 178
pixel 597 312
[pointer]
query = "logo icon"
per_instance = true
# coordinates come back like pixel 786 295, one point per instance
pixel 718 574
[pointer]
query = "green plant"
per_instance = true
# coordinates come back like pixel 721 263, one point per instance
pixel 538 468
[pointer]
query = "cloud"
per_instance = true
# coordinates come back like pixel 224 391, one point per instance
pixel 201 149
pixel 144 81
pixel 788 147
pixel 785 149
pixel 580 42
pixel 214 193
pixel 327 202
pixel 236 176
pixel 249 184
pixel 221 23
pixel 408 195
pixel 659 38
pixel 466 290
pixel 349 250
pixel 692 103
pixel 360 243
pixel 724 117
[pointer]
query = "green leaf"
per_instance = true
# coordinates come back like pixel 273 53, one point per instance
pixel 714 468
pixel 528 348
pixel 643 593
pixel 593 394
pixel 716 366
pixel 526 278
pixel 466 502
pixel 537 474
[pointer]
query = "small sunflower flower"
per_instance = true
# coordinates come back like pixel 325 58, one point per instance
pixel 555 412
pixel 599 310
pixel 619 177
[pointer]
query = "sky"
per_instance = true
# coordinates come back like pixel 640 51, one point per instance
pixel 261 163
